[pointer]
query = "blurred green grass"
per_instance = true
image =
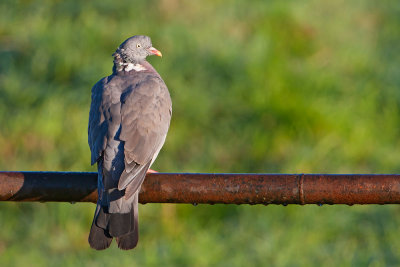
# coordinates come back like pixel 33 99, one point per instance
pixel 261 86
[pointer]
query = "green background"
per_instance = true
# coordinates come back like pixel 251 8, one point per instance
pixel 257 86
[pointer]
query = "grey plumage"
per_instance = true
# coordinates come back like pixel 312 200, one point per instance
pixel 128 122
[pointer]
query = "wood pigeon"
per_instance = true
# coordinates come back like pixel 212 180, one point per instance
pixel 129 119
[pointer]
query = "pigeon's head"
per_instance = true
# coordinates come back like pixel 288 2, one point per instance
pixel 136 49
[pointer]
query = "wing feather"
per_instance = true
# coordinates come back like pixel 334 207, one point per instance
pixel 98 126
pixel 145 117
pixel 144 109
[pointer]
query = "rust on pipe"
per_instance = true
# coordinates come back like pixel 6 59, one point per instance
pixel 211 188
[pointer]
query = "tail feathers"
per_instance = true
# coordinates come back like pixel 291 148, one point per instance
pixel 115 224
pixel 120 224
pixel 98 238
pixel 130 240
pixel 101 218
pixel 123 226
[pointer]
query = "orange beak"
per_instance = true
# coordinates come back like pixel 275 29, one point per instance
pixel 155 51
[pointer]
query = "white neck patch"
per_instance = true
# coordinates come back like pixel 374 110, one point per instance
pixel 131 66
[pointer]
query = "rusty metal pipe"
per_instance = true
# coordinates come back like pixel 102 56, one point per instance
pixel 211 188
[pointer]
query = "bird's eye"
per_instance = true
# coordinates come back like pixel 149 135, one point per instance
pixel 138 45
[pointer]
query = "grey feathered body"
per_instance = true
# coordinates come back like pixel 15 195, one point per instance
pixel 128 122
